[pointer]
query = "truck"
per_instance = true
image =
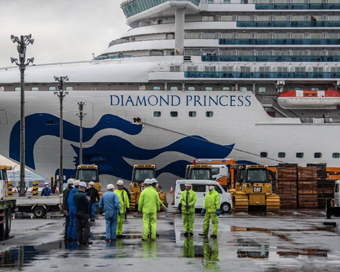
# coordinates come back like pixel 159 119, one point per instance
pixel 140 172
pixel 7 206
pixel 87 173
pixel 333 205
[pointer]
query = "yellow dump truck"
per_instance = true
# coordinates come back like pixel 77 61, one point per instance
pixel 87 173
pixel 253 190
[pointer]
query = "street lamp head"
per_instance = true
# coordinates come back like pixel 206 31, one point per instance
pixel 14 38
pixel 31 60
pixel 13 60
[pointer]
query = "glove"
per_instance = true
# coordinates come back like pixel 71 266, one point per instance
pixel 101 212
pixel 187 206
pixel 203 211
pixel 218 212
pixel 127 211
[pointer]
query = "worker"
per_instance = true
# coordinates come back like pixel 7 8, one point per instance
pixel 94 197
pixel 124 206
pixel 83 224
pixel 72 228
pixel 149 204
pixel 66 192
pixel 211 209
pixel 109 202
pixel 46 191
pixel 188 201
pixel 154 183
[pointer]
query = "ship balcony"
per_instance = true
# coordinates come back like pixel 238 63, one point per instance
pixel 279 41
pixel 295 6
pixel 270 58
pixel 263 75
pixel 134 7
pixel 288 24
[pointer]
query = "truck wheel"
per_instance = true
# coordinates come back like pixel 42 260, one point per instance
pixel 8 225
pixel 225 207
pixel 39 212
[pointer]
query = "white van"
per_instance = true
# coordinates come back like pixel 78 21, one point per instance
pixel 201 188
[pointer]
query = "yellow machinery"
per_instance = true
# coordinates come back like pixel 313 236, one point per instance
pixel 140 172
pixel 198 171
pixel 87 173
pixel 253 190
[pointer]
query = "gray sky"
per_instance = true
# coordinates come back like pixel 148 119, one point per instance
pixel 63 30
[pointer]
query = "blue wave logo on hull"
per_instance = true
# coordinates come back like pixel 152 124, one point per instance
pixel 109 151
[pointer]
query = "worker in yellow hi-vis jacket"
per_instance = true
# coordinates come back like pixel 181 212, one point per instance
pixel 124 207
pixel 188 201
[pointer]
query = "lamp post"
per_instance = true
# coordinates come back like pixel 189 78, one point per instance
pixel 21 47
pixel 81 115
pixel 61 94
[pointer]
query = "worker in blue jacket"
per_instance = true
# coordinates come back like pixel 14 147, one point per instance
pixel 46 191
pixel 72 228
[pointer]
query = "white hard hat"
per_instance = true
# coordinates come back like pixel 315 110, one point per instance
pixel 91 183
pixel 120 182
pixel 82 184
pixel 110 186
pixel 46 183
pixel 188 184
pixel 153 180
pixel 76 182
pixel 147 181
pixel 70 181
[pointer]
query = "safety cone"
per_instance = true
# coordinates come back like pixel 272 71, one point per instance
pixel 171 190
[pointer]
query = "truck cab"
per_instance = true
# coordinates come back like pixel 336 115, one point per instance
pixel 87 173
pixel 201 172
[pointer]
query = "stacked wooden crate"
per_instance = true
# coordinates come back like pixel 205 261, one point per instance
pixel 307 187
pixel 286 185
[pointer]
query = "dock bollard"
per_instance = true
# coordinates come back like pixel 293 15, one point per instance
pixel 10 189
pixel 35 188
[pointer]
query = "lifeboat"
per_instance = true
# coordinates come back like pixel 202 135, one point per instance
pixel 309 99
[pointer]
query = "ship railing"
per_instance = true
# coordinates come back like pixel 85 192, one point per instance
pixel 328 120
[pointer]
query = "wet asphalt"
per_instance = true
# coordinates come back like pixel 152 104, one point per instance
pixel 290 240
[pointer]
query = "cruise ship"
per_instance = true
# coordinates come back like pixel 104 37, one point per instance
pixel 254 80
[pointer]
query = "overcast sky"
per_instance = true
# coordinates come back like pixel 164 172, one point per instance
pixel 63 30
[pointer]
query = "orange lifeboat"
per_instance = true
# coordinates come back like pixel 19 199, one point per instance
pixel 309 99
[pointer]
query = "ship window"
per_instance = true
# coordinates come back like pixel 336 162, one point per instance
pixel 209 114
pixel 156 53
pixel 208 88
pixel 299 155
pixel 262 89
pixel 209 36
pixel 142 87
pixel 281 155
pixel 175 68
pixel 227 35
pixel 227 69
pixel 35 88
pixel 192 113
pixel 192 35
pixel 157 114
pixel 51 88
pixel 192 52
pixel 263 154
pixel 208 18
pixel 69 88
pixel 156 88
pixel 170 36
pixel 317 155
pixel 173 113
pixel 192 69
pixel 18 89
pixel 243 89
pixel 191 88
pixel 225 88
pixel 173 89
pixel 227 18
pixel 209 69
pixel 336 155
pixel 49 122
pixel 159 22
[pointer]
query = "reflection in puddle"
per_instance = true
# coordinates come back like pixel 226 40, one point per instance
pixel 255 250
pixel 309 252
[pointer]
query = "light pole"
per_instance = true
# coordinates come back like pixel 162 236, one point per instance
pixel 61 94
pixel 81 115
pixel 21 47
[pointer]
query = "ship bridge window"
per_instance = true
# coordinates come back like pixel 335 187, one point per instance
pixel 69 88
pixel 227 18
pixel 174 88
pixel 317 155
pixel 281 154
pixel 262 89
pixel 156 88
pixel 208 18
pixel 299 155
pixel 157 114
pixel 243 89
pixel 17 89
pixel 52 89
pixel 209 114
pixel 35 88
pixel 336 155
pixel 175 68
pixel 263 154
pixel 156 53
pixel 191 88
pixel 225 88
pixel 208 88
pixel 174 113
pixel 192 113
